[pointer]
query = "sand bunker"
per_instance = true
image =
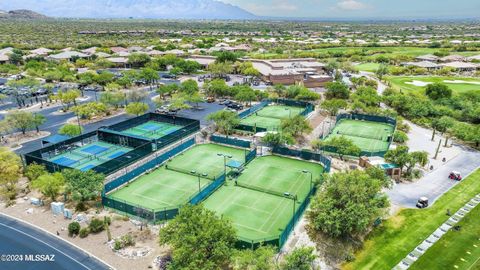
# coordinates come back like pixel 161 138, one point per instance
pixel 418 83
pixel 461 82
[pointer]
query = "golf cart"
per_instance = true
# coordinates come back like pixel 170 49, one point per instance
pixel 454 175
pixel 422 202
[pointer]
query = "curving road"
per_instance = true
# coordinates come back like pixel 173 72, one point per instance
pixel 25 247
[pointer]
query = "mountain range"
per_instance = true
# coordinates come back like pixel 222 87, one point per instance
pixel 154 9
pixel 21 14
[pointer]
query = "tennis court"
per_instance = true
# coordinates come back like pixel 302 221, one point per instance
pixel 178 180
pixel 270 117
pixel 261 205
pixel 152 130
pixel 204 159
pixel 90 155
pixel 159 189
pixel 369 136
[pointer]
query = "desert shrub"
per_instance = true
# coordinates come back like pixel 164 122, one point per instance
pixel 73 228
pixel 84 232
pixel 96 225
pixel 124 241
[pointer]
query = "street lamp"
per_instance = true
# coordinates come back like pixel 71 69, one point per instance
pixel 311 177
pixel 225 156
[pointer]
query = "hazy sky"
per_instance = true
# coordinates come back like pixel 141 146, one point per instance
pixel 362 8
pixel 387 9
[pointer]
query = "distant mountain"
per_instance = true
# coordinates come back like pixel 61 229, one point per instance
pixel 21 14
pixel 154 9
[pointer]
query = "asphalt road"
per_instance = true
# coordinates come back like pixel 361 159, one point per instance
pixel 19 240
pixel 436 183
pixel 55 120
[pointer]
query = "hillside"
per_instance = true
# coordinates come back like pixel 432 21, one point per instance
pixel 153 9
pixel 21 14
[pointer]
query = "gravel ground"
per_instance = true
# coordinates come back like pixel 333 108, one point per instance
pixel 94 243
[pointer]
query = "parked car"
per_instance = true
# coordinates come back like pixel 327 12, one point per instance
pixel 225 102
pixel 454 175
pixel 210 99
pixel 235 106
pixel 422 202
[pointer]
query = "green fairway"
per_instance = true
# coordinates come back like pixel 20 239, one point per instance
pixel 261 215
pixel 458 249
pixel 370 52
pixel 152 130
pixel 369 136
pixel 270 117
pixel 418 84
pixel 389 243
pixel 160 189
pixel 90 155
pixel 370 67
pixel 203 158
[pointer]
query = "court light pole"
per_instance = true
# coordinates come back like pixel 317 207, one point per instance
pixel 311 177
pixel 225 156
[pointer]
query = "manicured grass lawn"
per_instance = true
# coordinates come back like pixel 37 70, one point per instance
pixel 388 244
pixel 370 67
pixel 458 249
pixel 374 52
pixel 405 83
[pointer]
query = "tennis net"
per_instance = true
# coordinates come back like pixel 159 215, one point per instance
pixel 73 152
pixel 272 116
pixel 139 130
pixel 106 153
pixel 269 191
pixel 185 171
pixel 366 136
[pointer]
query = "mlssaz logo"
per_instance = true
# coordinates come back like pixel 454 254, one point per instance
pixel 40 258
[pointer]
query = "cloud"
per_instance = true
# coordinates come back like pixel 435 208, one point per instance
pixel 351 5
pixel 272 8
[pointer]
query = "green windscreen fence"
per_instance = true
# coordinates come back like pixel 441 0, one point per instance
pixel 100 151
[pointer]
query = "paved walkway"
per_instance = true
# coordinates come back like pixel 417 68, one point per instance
pixel 437 234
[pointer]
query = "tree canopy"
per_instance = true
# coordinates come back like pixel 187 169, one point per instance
pixel 225 121
pixel 199 239
pixel 348 203
pixel 70 130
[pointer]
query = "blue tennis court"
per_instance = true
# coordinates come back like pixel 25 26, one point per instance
pixel 95 149
pixel 152 130
pixel 90 155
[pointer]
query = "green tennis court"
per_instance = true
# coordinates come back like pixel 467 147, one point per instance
pixel 255 215
pixel 281 175
pixel 166 188
pixel 204 159
pixel 270 117
pixel 258 214
pixel 152 130
pixel 369 136
pixel 159 189
pixel 90 155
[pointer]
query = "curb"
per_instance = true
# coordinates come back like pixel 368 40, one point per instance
pixel 57 237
